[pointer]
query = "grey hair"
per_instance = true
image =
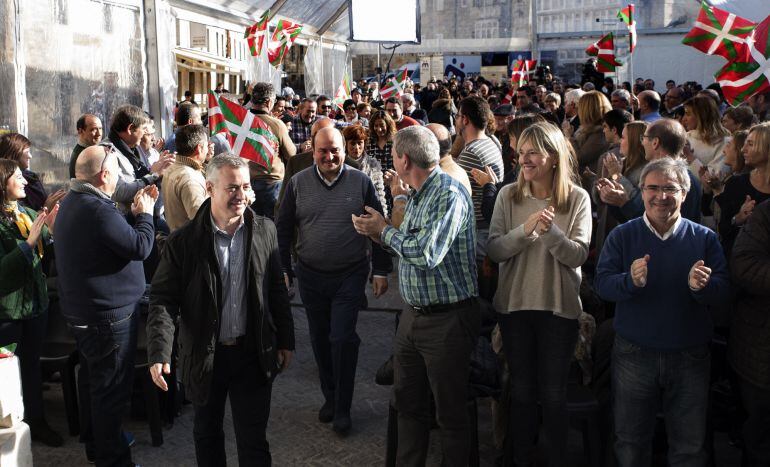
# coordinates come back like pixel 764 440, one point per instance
pixel 622 94
pixel 675 169
pixel 262 93
pixel 408 97
pixel 552 96
pixel 420 144
pixel 223 160
pixel 573 96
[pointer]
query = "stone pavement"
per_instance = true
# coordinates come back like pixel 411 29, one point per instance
pixel 296 437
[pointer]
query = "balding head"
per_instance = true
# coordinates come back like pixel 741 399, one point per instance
pixel 443 137
pixel 649 101
pixel 664 137
pixel 98 166
pixel 320 124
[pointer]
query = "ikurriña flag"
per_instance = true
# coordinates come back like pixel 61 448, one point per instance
pixel 249 137
pixel 283 37
pixel 719 32
pixel 604 51
pixel 255 34
pixel 627 15
pixel 395 86
pixel 742 78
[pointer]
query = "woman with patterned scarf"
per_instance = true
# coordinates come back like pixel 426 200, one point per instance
pixel 24 241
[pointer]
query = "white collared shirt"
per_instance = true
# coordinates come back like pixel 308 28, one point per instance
pixel 670 231
pixel 327 182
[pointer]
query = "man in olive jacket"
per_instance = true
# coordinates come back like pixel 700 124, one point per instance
pixel 221 275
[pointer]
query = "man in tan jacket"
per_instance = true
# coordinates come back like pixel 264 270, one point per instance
pixel 266 183
pixel 184 184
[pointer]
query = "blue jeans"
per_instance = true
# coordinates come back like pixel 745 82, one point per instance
pixel 645 382
pixel 332 303
pixel 539 347
pixel 107 352
pixel 266 192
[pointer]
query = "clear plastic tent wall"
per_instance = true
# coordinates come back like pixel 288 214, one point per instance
pixel 67 58
pixel 325 66
pixel 167 70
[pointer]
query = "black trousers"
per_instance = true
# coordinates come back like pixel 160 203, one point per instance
pixel 432 355
pixel 29 335
pixel 756 428
pixel 237 374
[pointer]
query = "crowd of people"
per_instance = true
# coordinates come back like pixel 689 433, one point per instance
pixel 614 230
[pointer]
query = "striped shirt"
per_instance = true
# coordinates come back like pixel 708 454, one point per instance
pixel 231 259
pixel 477 155
pixel 436 243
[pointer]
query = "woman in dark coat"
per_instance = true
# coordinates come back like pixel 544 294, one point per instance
pixel 749 345
pixel 24 241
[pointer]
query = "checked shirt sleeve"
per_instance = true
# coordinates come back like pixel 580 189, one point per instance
pixel 432 233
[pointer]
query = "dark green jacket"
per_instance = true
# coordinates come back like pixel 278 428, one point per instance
pixel 22 284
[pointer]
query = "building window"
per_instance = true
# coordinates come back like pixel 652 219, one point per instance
pixel 439 5
pixel 485 29
pixel 464 3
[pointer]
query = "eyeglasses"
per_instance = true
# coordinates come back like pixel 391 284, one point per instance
pixel 670 190
pixel 109 148
pixel 641 138
pixel 326 106
pixel 349 109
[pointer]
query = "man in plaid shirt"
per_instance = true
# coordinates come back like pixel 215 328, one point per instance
pixel 302 123
pixel 436 243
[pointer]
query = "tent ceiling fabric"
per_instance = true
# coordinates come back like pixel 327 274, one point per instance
pixel 313 13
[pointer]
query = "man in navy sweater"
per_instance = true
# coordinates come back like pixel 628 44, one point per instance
pixel 101 279
pixel 333 264
pixel 663 272
pixel 663 138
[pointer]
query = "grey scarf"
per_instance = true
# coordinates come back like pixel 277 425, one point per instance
pixel 79 186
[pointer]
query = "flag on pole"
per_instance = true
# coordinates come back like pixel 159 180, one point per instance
pixel 249 137
pixel 741 79
pixel 604 51
pixel 718 32
pixel 627 15
pixel 521 71
pixel 394 86
pixel 255 34
pixel 343 92
pixel 283 37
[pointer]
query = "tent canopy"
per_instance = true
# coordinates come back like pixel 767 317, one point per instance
pixel 327 18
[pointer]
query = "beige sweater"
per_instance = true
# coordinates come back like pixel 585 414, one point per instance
pixel 539 272
pixel 183 191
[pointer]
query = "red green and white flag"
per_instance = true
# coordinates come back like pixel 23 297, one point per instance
pixel 284 35
pixel 718 32
pixel 741 79
pixel 521 71
pixel 604 51
pixel 343 92
pixel 256 33
pixel 395 86
pixel 249 137
pixel 627 15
